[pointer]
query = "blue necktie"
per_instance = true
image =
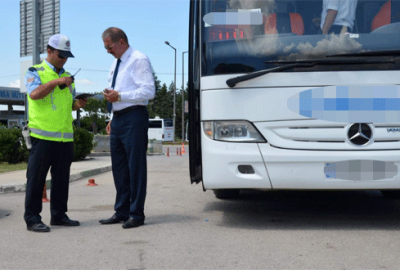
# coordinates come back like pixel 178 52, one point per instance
pixel 109 104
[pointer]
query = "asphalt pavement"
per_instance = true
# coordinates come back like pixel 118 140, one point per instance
pixel 186 228
pixel 92 165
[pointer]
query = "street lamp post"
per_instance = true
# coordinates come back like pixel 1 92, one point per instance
pixel 183 97
pixel 174 114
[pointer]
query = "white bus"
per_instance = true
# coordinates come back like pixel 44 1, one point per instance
pixel 275 104
pixel 161 129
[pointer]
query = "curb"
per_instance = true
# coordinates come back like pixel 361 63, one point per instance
pixel 100 154
pixel 14 188
pixel 107 154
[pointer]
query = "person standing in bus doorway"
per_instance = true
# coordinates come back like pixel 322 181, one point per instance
pixel 50 98
pixel 131 87
pixel 338 16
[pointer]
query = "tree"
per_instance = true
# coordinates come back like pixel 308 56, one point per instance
pixel 96 120
pixel 150 106
pixel 178 120
pixel 162 104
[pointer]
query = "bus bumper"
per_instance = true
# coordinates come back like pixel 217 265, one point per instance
pixel 221 161
pixel 300 169
pixel 276 168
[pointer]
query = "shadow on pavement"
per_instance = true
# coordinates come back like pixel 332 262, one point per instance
pixel 4 213
pixel 309 210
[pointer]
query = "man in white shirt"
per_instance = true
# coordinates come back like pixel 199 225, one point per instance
pixel 131 86
pixel 338 16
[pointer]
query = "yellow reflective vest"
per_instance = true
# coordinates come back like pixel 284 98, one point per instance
pixel 50 118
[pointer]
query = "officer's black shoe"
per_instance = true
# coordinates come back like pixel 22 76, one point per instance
pixel 64 222
pixel 38 227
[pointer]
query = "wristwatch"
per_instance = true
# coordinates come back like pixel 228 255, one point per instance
pixel 119 96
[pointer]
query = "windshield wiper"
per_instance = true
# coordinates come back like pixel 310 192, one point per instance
pixel 232 82
pixel 368 53
pixel 288 64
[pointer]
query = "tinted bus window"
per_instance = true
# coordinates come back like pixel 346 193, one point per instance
pixel 155 124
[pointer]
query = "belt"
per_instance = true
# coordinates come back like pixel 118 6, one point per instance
pixel 127 109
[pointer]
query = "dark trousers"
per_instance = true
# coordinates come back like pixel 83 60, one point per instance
pixel 129 161
pixel 337 29
pixel 45 154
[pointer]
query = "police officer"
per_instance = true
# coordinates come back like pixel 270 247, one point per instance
pixel 51 93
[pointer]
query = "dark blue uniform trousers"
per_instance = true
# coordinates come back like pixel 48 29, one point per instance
pixel 129 161
pixel 43 155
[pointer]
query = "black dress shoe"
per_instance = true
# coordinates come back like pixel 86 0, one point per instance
pixel 64 222
pixel 38 227
pixel 113 220
pixel 131 223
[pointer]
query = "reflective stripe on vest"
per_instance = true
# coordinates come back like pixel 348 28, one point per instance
pixel 52 134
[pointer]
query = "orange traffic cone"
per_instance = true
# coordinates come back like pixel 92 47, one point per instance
pixel 168 152
pixel 44 195
pixel 183 149
pixel 91 183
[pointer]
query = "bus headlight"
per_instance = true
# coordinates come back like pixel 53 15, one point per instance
pixel 232 131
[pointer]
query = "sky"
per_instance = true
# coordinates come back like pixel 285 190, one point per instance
pixel 147 23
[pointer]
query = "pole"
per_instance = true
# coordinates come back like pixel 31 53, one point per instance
pixel 78 117
pixel 183 96
pixel 175 97
pixel 35 43
pixel 36 32
pixel 174 111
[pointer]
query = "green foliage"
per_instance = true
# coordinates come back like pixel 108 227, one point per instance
pixel 163 105
pixel 83 143
pixel 12 146
pixel 97 114
pixel 6 167
pixel 178 120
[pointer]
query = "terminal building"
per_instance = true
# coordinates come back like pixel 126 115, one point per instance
pixel 9 97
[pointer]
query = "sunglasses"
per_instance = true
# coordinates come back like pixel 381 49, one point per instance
pixel 109 47
pixel 61 57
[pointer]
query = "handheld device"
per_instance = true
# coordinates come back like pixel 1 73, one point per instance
pixel 64 85
pixel 27 136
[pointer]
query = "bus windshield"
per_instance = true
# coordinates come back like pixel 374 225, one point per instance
pixel 242 36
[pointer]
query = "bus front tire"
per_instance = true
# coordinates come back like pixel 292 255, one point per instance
pixel 391 193
pixel 226 193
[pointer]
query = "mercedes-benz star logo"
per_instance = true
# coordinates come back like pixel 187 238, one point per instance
pixel 359 134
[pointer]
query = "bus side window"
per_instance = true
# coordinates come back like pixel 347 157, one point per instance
pixel 155 124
